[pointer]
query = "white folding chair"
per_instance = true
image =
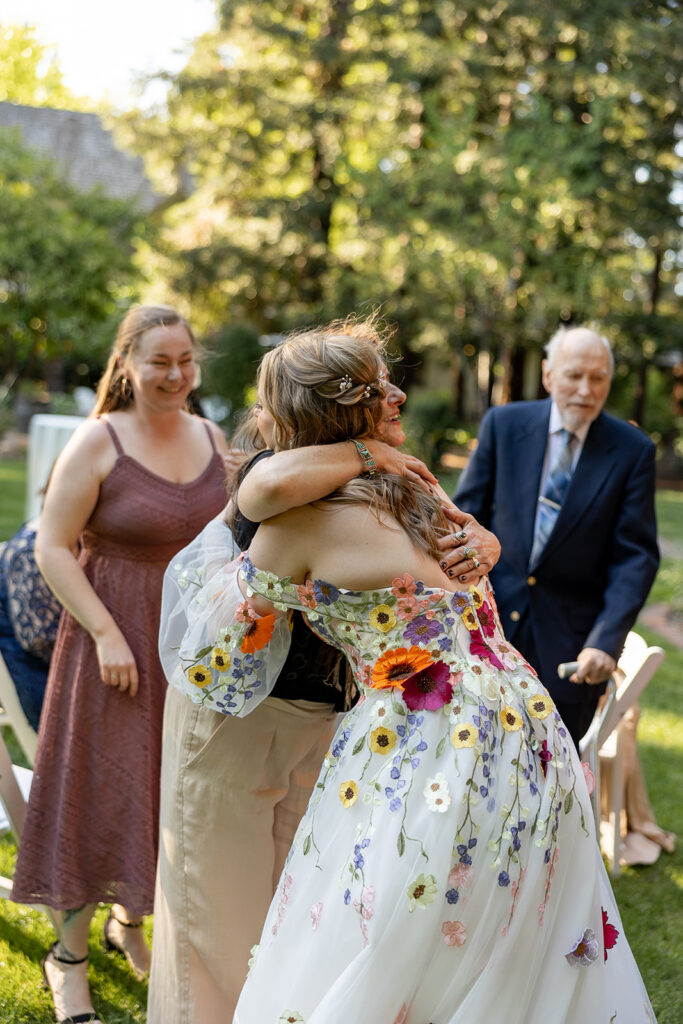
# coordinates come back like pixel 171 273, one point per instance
pixel 15 781
pixel 635 668
pixel 12 713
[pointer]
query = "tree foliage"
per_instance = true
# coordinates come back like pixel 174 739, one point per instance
pixel 29 74
pixel 484 171
pixel 66 264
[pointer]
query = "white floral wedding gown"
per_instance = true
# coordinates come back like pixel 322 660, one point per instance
pixel 446 870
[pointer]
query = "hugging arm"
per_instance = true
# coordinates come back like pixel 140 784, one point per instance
pixel 299 476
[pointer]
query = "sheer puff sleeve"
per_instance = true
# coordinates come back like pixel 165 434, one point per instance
pixel 213 647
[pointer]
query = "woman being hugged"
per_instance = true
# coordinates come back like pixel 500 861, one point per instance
pixel 446 869
pixel 136 481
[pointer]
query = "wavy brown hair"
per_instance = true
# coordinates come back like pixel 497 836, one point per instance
pixel 326 385
pixel 112 393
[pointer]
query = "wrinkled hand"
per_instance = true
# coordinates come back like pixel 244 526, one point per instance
pixel 391 460
pixel 469 536
pixel 117 664
pixel 594 667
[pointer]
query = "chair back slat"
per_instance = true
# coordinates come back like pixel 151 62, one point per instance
pixel 630 688
pixel 12 713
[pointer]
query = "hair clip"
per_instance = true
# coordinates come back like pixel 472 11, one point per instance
pixel 345 383
pixel 375 385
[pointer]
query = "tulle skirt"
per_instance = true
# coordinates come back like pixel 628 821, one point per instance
pixel 482 899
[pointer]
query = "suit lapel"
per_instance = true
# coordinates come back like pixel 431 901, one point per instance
pixel 592 471
pixel 528 450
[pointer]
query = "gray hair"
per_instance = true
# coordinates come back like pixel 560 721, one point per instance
pixel 552 347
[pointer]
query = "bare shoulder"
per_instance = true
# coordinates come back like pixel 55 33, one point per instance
pixel 285 543
pixel 90 445
pixel 217 435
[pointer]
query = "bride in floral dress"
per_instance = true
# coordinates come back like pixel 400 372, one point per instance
pixel 446 870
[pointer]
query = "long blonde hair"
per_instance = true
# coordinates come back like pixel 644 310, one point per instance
pixel 326 385
pixel 114 391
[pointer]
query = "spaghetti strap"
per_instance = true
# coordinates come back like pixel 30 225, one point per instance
pixel 114 436
pixel 210 433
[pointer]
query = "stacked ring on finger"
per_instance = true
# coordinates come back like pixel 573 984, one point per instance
pixel 475 562
pixel 470 553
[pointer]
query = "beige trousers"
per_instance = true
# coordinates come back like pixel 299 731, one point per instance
pixel 232 793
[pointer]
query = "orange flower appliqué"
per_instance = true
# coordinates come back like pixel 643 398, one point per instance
pixel 394 667
pixel 257 634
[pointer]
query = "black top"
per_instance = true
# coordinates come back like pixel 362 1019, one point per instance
pixel 313 670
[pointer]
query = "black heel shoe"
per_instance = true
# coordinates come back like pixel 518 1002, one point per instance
pixel 108 945
pixel 89 1017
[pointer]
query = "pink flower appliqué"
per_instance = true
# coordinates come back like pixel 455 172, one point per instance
pixel 365 910
pixel 454 933
pixel 459 875
pixel 429 689
pixel 243 612
pixel 406 607
pixel 610 934
pixel 544 757
pixel 316 911
pixel 306 594
pixel 403 586
pixel 402 1014
pixel 480 649
pixel 486 619
pixel 588 776
pixel 285 884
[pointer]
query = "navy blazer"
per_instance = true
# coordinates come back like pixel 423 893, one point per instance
pixel 596 570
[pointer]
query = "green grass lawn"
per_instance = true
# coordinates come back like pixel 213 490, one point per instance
pixel 12 495
pixel 649 897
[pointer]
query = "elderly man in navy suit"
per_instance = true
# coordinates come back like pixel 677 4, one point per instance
pixel 569 491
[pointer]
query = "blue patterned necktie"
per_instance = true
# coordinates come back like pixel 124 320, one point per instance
pixel 550 502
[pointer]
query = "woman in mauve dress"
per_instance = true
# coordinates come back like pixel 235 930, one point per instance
pixel 135 483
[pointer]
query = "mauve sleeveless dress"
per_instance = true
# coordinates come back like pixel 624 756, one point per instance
pixel 91 829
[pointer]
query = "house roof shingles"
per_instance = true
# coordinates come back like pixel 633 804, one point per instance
pixel 84 150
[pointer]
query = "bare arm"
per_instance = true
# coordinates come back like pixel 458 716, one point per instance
pixel 303 475
pixel 70 500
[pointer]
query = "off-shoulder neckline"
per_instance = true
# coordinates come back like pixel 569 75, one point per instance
pixel 288 582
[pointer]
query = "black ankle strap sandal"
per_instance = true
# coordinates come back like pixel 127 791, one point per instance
pixel 79 1018
pixel 110 946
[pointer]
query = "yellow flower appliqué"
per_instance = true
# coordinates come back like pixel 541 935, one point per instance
pixel 199 675
pixel 421 892
pixel 539 706
pixel 220 659
pixel 382 740
pixel 382 618
pixel 476 597
pixel 510 719
pixel 464 735
pixel 470 619
pixel 348 793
